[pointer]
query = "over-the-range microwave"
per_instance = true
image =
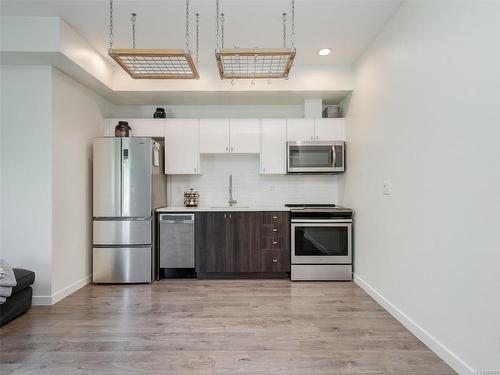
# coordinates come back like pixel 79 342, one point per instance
pixel 315 157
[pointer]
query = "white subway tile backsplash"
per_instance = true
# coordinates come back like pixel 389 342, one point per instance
pixel 249 187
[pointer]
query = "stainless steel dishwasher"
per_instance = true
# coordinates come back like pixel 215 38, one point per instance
pixel 177 244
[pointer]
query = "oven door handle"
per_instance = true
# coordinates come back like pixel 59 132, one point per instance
pixel 321 221
pixel 334 156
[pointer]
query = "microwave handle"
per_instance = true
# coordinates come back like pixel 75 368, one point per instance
pixel 334 156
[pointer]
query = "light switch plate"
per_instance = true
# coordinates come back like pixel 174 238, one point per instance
pixel 387 187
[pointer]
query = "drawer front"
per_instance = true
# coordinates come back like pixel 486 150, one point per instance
pixel 122 232
pixel 270 243
pixel 273 230
pixel 275 218
pixel 275 261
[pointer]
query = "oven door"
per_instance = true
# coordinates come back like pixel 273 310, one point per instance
pixel 321 242
pixel 315 157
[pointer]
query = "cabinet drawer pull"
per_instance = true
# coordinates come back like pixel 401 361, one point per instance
pixel 275 260
pixel 275 229
pixel 275 217
pixel 275 242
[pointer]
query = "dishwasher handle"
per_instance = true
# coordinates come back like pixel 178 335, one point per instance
pixel 177 218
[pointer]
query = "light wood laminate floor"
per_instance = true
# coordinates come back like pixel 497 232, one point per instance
pixel 214 327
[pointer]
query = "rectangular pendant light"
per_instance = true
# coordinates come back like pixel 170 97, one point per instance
pixel 155 63
pixel 250 63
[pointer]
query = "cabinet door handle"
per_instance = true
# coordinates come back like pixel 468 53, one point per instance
pixel 275 217
pixel 195 169
pixel 225 217
pixel 312 137
pixel 275 242
pixel 275 260
pixel 316 137
pixel 230 216
pixel 263 169
pixel 231 148
pixel 275 229
pixel 227 148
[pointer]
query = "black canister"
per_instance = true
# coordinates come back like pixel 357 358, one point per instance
pixel 122 129
pixel 160 113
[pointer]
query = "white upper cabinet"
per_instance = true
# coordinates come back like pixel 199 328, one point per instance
pixel 152 128
pixel 182 147
pixel 321 129
pixel 148 127
pixel 218 136
pixel 273 146
pixel 329 129
pixel 214 136
pixel 244 136
pixel 300 129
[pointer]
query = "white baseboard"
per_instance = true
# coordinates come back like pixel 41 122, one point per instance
pixel 443 352
pixel 63 293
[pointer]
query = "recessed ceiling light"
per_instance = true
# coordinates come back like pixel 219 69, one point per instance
pixel 324 51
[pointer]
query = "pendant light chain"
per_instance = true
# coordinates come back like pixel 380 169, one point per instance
pixel 187 26
pixel 155 63
pixel 217 23
pixel 292 37
pixel 222 19
pixel 197 39
pixel 133 18
pixel 110 24
pixel 284 30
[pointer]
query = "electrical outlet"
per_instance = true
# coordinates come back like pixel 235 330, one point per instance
pixel 387 187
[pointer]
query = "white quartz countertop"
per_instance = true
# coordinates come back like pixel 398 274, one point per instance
pixel 221 208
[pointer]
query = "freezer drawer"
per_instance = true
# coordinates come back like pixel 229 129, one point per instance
pixel 122 265
pixel 122 232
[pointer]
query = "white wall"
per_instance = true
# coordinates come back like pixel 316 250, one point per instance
pixel 210 111
pixel 47 123
pixel 26 171
pixel 78 116
pixel 249 187
pixel 425 115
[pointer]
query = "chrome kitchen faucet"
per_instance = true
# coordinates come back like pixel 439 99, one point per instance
pixel 232 201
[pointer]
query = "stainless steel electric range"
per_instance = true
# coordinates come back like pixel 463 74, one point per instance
pixel 321 242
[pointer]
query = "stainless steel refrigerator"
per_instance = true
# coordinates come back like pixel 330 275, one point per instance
pixel 128 185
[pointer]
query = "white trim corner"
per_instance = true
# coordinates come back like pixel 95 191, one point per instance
pixel 432 343
pixel 61 294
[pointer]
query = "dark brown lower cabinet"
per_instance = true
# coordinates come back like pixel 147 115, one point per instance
pixel 211 242
pixel 242 242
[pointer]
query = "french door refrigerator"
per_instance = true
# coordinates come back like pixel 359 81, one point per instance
pixel 123 180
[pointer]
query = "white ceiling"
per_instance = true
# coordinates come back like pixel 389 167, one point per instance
pixel 347 27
